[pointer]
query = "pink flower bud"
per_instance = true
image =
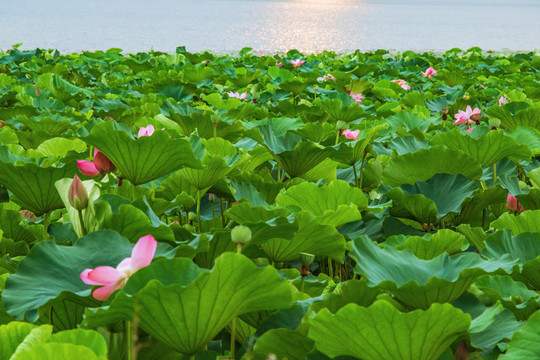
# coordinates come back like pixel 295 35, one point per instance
pixel 77 194
pixel 512 204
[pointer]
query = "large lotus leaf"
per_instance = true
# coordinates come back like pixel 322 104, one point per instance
pixel 57 351
pixel 524 248
pixel 60 88
pixel 431 246
pixel 525 117
pixel 343 108
pixel 487 150
pixel 408 121
pixel 334 204
pixel 59 147
pixel 527 136
pixel 187 317
pixel 66 311
pixel 447 191
pixel 304 157
pixel 525 344
pixel 214 169
pixel 351 152
pixel 144 159
pixel 424 164
pixel 381 332
pixel 276 141
pixel 12 226
pixel 419 283
pixel 416 207
pixel 528 221
pixel 12 335
pixel 311 237
pixel 176 185
pixel 513 295
pixel 350 291
pixel 407 144
pixel 34 186
pixel 481 199
pixel 283 343
pixel 49 270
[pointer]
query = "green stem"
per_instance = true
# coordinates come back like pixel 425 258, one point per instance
pixel 134 192
pixel 278 174
pixel 91 155
pixel 215 138
pixel 222 215
pixel 337 137
pixel 494 173
pixel 330 268
pixel 361 169
pixel 213 211
pixel 81 219
pixel 199 209
pixel 153 190
pixel 238 248
pixel 180 218
pixel 302 284
pixel 46 225
pixel 233 337
pixel 128 340
pixel 355 175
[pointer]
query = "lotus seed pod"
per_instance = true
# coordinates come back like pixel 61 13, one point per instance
pixel 444 111
pixel 77 194
pixel 476 117
pixel 241 234
pixel 306 259
pixel 493 122
pixel 466 96
pixel 211 197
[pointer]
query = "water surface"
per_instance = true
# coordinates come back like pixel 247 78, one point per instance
pixel 270 25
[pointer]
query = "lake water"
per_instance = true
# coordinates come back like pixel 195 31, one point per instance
pixel 270 25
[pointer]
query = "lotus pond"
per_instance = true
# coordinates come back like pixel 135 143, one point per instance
pixel 299 206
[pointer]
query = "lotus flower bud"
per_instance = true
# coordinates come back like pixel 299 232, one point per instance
pixel 241 234
pixel 77 194
pixel 2 123
pixel 512 203
pixel 494 123
pixel 462 352
pixel 102 163
pixel 38 93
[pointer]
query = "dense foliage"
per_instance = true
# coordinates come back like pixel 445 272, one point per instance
pixel 361 206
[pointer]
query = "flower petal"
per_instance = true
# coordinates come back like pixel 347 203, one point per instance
pixel 86 280
pixel 105 275
pixel 104 292
pixel 87 168
pixel 143 252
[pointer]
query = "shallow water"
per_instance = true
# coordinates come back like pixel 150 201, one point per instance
pixel 270 25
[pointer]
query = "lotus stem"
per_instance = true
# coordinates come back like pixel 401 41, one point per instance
pixel 215 137
pixel 46 225
pixel 91 155
pixel 81 219
pixel 302 284
pixel 213 210
pixel 355 175
pixel 153 190
pixel 233 337
pixel 337 137
pixel 199 209
pixel 180 218
pixel 222 215
pixel 330 268
pixel 128 340
pixel 360 182
pixel 134 192
pixel 494 173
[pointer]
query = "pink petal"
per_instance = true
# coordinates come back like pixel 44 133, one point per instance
pixel 125 266
pixel 143 252
pixel 469 130
pixel 105 275
pixel 86 280
pixel 511 202
pixel 87 168
pixel 104 292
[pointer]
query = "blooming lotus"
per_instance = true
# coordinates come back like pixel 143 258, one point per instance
pixel 279 63
pixel 430 71
pixel 112 279
pixel 502 100
pixel 353 135
pixel 463 117
pixel 326 77
pixel 146 131
pixel 402 83
pixel 296 63
pixel 357 97
pixel 100 165
pixel 237 95
pixel 512 204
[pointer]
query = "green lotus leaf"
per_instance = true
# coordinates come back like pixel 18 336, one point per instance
pixel 311 237
pixel 407 144
pixel 487 150
pixel 11 225
pixel 283 343
pixel 303 158
pixel 334 204
pixel 49 270
pixel 527 136
pixel 481 199
pixel 431 246
pixel 408 121
pixel 525 117
pixel 419 283
pixel 513 295
pixel 12 335
pixel 59 147
pixel 350 153
pixel 213 170
pixel 65 311
pixel 525 342
pixel 524 248
pixel 416 207
pixel 233 287
pixel 424 164
pixel 350 291
pixel 343 108
pixel 33 186
pixel 60 88
pixel 381 332
pixel 57 351
pixel 528 221
pixel 145 159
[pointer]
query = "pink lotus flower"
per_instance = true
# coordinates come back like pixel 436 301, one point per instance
pixel 326 77
pixel 402 83
pixel 146 131
pixel 502 100
pixel 237 95
pixel 357 97
pixel 351 134
pixel 430 71
pixel 296 63
pixel 100 165
pixel 463 117
pixel 469 129
pixel 512 204
pixel 279 63
pixel 113 279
